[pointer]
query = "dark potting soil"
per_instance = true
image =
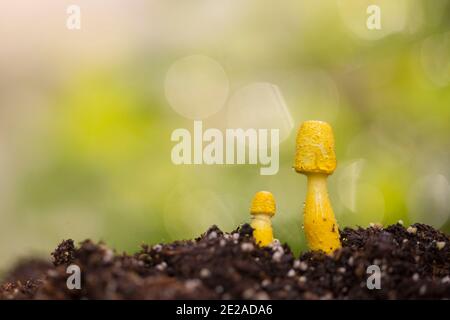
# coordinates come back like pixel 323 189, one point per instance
pixel 414 263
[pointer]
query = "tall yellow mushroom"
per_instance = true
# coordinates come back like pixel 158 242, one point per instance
pixel 315 157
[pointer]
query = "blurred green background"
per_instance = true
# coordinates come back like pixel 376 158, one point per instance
pixel 86 115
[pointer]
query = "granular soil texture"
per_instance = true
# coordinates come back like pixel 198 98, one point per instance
pixel 414 263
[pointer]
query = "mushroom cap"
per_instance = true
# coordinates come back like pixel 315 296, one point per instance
pixel 315 148
pixel 263 203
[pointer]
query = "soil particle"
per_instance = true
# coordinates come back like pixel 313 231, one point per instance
pixel 220 265
pixel 64 253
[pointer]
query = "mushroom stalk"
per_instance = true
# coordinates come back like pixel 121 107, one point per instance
pixel 320 224
pixel 262 229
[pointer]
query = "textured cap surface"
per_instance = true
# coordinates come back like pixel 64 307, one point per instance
pixel 263 203
pixel 315 148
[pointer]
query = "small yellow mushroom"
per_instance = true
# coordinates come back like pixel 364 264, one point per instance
pixel 262 210
pixel 315 157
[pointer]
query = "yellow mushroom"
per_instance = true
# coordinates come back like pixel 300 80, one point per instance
pixel 262 210
pixel 315 157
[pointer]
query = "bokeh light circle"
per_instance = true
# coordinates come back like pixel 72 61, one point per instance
pixel 312 94
pixel 196 86
pixel 260 105
pixel 363 201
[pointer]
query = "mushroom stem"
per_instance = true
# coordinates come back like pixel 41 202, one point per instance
pixel 321 228
pixel 262 229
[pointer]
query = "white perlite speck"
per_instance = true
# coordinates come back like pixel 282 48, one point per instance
pixel 277 256
pixel 411 230
pixel 303 266
pixel 415 277
pixel 440 245
pixel 265 282
pixel 275 243
pixel 278 248
pixel 423 290
pixel 351 261
pixel 248 294
pixel 261 295
pixel 291 273
pixel 327 296
pixel 247 247
pixel 302 279
pixel 109 256
pixel 157 247
pixel 212 235
pixel 162 266
pixel 205 273
pixel 376 225
pixel 192 284
pixel 236 236
pixel 223 242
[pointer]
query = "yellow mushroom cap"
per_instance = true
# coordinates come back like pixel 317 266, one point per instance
pixel 315 148
pixel 263 203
